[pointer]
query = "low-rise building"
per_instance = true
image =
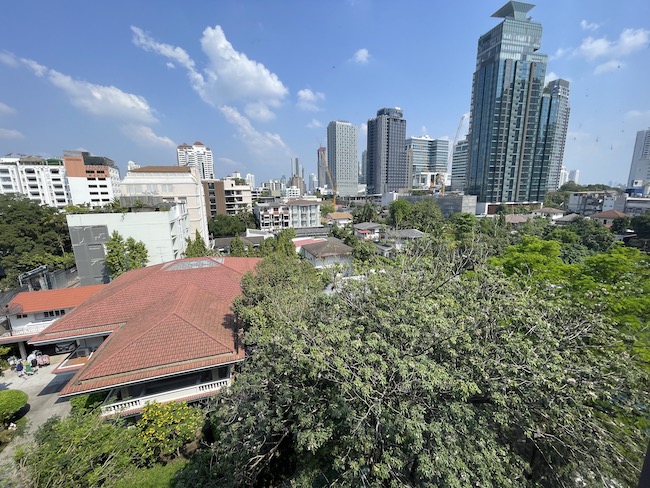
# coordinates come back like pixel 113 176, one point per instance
pixel 41 180
pixel 339 219
pixel 295 214
pixel 163 230
pixel 368 231
pixel 327 253
pixel 227 197
pixel 607 218
pixel 157 334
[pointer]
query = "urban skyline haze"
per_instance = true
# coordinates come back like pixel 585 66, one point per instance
pixel 259 84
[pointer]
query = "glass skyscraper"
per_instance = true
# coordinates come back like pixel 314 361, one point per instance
pixel 387 167
pixel 343 156
pixel 506 111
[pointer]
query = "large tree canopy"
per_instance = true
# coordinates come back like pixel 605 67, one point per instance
pixel 393 381
pixel 31 235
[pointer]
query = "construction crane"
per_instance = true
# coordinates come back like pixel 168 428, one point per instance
pixel 323 163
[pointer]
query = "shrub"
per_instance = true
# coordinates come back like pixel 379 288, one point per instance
pixel 11 401
pixel 86 403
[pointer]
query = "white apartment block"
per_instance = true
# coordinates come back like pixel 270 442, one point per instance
pixel 40 180
pixel 343 156
pixel 92 180
pixel 197 156
pixel 294 214
pixel 172 184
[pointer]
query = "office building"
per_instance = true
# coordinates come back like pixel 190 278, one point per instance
pixel 387 167
pixel 639 179
pixel 507 108
pixel 574 175
pixel 426 158
pixel 363 170
pixel 92 180
pixel 40 180
pixel 197 156
pixel 459 165
pixel 342 156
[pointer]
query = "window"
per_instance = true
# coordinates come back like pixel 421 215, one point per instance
pixel 21 316
pixel 54 313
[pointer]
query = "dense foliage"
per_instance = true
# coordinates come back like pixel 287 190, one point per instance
pixel 11 401
pixel 196 247
pixel 31 235
pixel 393 381
pixel 123 255
pixel 222 225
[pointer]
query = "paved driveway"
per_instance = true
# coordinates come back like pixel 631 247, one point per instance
pixel 44 402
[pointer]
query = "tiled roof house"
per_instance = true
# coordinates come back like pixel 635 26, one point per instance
pixel 160 333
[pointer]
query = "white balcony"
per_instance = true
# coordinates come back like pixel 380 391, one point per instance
pixel 31 328
pixel 133 405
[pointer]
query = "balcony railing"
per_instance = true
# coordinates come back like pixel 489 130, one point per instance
pixel 24 330
pixel 134 404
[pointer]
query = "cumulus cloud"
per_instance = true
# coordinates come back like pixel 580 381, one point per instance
pixel 145 136
pixel 10 134
pixel 629 41
pixel 314 124
pixel 259 143
pixel 590 26
pixel 608 67
pixel 632 114
pixel 308 100
pixel 551 76
pixel 228 76
pixel 363 131
pixel 6 109
pixel 362 56
pixel 559 53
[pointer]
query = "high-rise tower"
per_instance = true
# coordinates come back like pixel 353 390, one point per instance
pixel 639 179
pixel 387 167
pixel 198 156
pixel 343 156
pixel 507 92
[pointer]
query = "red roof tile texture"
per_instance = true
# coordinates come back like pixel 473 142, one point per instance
pixel 45 300
pixel 165 319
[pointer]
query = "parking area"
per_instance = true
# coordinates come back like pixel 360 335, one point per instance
pixel 44 402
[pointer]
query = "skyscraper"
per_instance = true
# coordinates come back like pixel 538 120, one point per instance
pixel 506 111
pixel 342 156
pixel 198 156
pixel 459 165
pixel 320 167
pixel 387 167
pixel 639 178
pixel 553 127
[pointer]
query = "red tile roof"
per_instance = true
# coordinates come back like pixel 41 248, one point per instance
pixel 166 319
pixel 41 301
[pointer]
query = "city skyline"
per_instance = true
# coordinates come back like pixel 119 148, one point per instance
pixel 257 86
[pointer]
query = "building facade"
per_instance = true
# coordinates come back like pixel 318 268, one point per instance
pixel 227 197
pixel 40 180
pixel 197 156
pixel 425 157
pixel 388 170
pixel 92 180
pixel 294 214
pixel 172 184
pixel 459 165
pixel 321 161
pixel 639 178
pixel 506 106
pixel 343 156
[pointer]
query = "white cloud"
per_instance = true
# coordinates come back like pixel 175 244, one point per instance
pixel 259 143
pixel 229 75
pixel 551 76
pixel 170 65
pixel 10 134
pixel 590 26
pixel 362 56
pixel 228 162
pixel 6 109
pixel 363 131
pixel 632 114
pixel 145 136
pixel 559 53
pixel 423 129
pixel 314 124
pixel 608 67
pixel 629 41
pixel 308 100
pixel 8 58
pixel 96 99
pixel 259 111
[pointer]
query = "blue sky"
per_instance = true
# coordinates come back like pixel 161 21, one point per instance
pixel 259 80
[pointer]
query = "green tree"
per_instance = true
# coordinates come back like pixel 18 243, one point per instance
pixel 237 247
pixel 222 225
pixel 326 207
pixel 366 213
pixel 394 381
pixel 31 235
pixel 424 215
pixel 165 429
pixel 79 451
pixel 398 213
pixel 621 224
pixel 464 225
pixel 196 247
pixel 284 244
pixel 641 225
pixel 122 256
pixel 11 401
pixel 593 235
